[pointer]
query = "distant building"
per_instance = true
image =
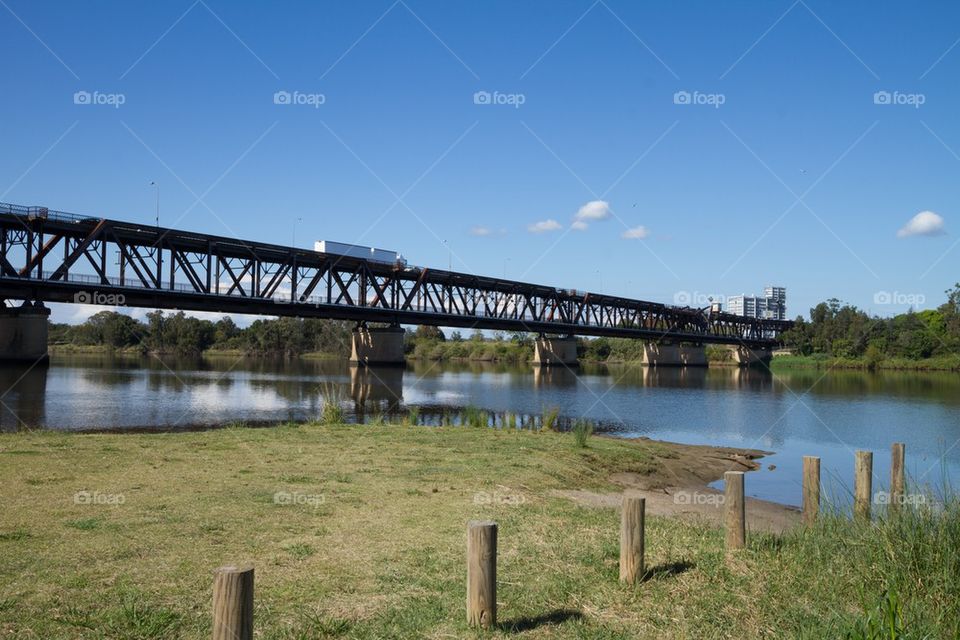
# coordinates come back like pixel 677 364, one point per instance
pixel 771 305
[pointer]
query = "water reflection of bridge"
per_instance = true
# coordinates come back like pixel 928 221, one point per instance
pixel 23 388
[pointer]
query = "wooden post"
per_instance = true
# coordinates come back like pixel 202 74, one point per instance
pixel 811 489
pixel 736 515
pixel 862 484
pixel 898 479
pixel 482 573
pixel 233 603
pixel 631 539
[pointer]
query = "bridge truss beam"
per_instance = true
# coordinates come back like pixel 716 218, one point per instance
pixel 58 257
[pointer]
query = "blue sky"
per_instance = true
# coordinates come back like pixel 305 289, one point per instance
pixel 797 177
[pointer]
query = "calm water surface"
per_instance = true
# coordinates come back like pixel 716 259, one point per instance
pixel 791 413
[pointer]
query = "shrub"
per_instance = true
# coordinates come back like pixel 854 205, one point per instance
pixel 582 430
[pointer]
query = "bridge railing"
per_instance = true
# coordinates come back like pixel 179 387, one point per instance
pixel 42 213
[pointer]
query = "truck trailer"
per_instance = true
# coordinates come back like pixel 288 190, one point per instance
pixel 383 256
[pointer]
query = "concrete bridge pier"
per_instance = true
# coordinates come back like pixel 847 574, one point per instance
pixel 746 356
pixel 377 346
pixel 555 351
pixel 23 332
pixel 674 355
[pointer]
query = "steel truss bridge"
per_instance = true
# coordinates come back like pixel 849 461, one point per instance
pixel 52 256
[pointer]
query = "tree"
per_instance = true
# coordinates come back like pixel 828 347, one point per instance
pixel 427 332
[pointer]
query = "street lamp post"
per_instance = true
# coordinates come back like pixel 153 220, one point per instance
pixel 154 183
pixel 294 239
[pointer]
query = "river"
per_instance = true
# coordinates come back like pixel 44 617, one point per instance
pixel 790 412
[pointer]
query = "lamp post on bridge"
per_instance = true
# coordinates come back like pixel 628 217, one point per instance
pixel 154 183
pixel 293 240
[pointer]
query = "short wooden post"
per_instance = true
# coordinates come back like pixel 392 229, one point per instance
pixel 811 488
pixel 736 515
pixel 898 478
pixel 631 539
pixel 233 603
pixel 482 573
pixel 862 484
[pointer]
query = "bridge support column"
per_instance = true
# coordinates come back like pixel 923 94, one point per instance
pixel 555 351
pixel 377 346
pixel 746 356
pixel 674 355
pixel 23 333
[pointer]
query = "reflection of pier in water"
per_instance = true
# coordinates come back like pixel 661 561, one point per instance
pixel 378 390
pixel 559 377
pixel 22 392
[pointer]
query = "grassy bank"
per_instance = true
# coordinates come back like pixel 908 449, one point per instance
pixel 366 540
pixel 472 350
pixel 942 363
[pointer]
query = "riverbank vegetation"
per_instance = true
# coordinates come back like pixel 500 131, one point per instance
pixel 843 336
pixel 836 335
pixel 358 532
pixel 178 333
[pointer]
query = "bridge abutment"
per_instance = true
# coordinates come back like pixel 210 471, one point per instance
pixel 674 355
pixel 377 346
pixel 23 333
pixel 548 352
pixel 746 356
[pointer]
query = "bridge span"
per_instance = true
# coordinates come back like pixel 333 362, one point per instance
pixel 54 256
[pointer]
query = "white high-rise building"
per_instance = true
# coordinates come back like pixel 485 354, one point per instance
pixel 771 305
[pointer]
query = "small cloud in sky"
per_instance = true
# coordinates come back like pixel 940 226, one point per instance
pixel 481 231
pixel 579 225
pixel 544 226
pixel 925 223
pixel 636 233
pixel 593 210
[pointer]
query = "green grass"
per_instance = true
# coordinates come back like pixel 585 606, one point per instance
pixel 821 361
pixel 370 542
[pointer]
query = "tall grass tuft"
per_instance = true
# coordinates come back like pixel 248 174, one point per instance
pixel 551 419
pixel 582 430
pixel 907 564
pixel 332 410
pixel 473 417
pixel 412 417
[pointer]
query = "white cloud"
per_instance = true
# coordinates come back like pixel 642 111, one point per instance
pixel 636 233
pixel 925 223
pixel 543 226
pixel 481 231
pixel 579 225
pixel 593 210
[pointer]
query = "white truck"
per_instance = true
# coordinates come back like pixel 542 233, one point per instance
pixel 371 254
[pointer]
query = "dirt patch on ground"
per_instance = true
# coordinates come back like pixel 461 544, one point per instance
pixel 679 487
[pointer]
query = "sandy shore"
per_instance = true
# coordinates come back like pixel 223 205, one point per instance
pixel 679 488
